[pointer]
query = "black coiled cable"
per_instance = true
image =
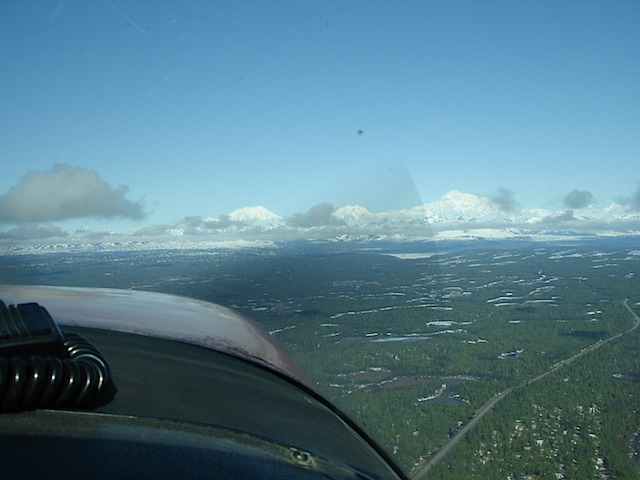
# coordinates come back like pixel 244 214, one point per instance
pixel 39 382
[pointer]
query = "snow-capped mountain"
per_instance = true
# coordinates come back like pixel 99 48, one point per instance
pixel 456 206
pixel 353 215
pixel 456 216
pixel 257 216
pixel 453 208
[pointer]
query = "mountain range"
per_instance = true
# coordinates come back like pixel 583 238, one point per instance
pixel 456 215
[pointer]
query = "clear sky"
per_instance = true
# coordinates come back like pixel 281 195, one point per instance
pixel 191 107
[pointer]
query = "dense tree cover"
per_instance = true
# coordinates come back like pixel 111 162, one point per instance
pixel 579 423
pixel 380 335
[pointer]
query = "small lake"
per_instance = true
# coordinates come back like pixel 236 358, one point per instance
pixel 442 401
pixel 400 339
pixel 386 339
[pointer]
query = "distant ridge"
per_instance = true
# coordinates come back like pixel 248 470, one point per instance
pixel 455 216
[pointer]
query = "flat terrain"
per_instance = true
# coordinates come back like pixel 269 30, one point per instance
pixel 506 358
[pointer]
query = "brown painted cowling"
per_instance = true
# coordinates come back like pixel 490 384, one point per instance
pixel 158 315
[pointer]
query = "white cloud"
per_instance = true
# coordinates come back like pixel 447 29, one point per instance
pixel 455 215
pixel 65 192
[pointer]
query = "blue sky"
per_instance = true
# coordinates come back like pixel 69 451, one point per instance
pixel 200 108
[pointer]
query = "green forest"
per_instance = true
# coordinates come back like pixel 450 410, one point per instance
pixel 412 344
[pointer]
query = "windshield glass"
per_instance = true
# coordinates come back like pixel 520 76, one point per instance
pixel 433 207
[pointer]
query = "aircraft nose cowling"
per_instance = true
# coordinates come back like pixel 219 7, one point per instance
pixel 159 315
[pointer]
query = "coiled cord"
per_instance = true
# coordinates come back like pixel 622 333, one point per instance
pixel 39 382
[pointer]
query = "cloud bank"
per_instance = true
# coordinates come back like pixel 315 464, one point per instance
pixel 65 192
pixel 456 215
pixel 455 211
pixel 34 231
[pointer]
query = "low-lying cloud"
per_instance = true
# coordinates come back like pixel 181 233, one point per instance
pixel 33 231
pixel 504 199
pixel 631 201
pixel 578 199
pixel 151 231
pixel 66 192
pixel 454 214
pixel 634 201
pixel 317 216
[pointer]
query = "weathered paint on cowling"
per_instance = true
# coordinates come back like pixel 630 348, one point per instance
pixel 158 315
